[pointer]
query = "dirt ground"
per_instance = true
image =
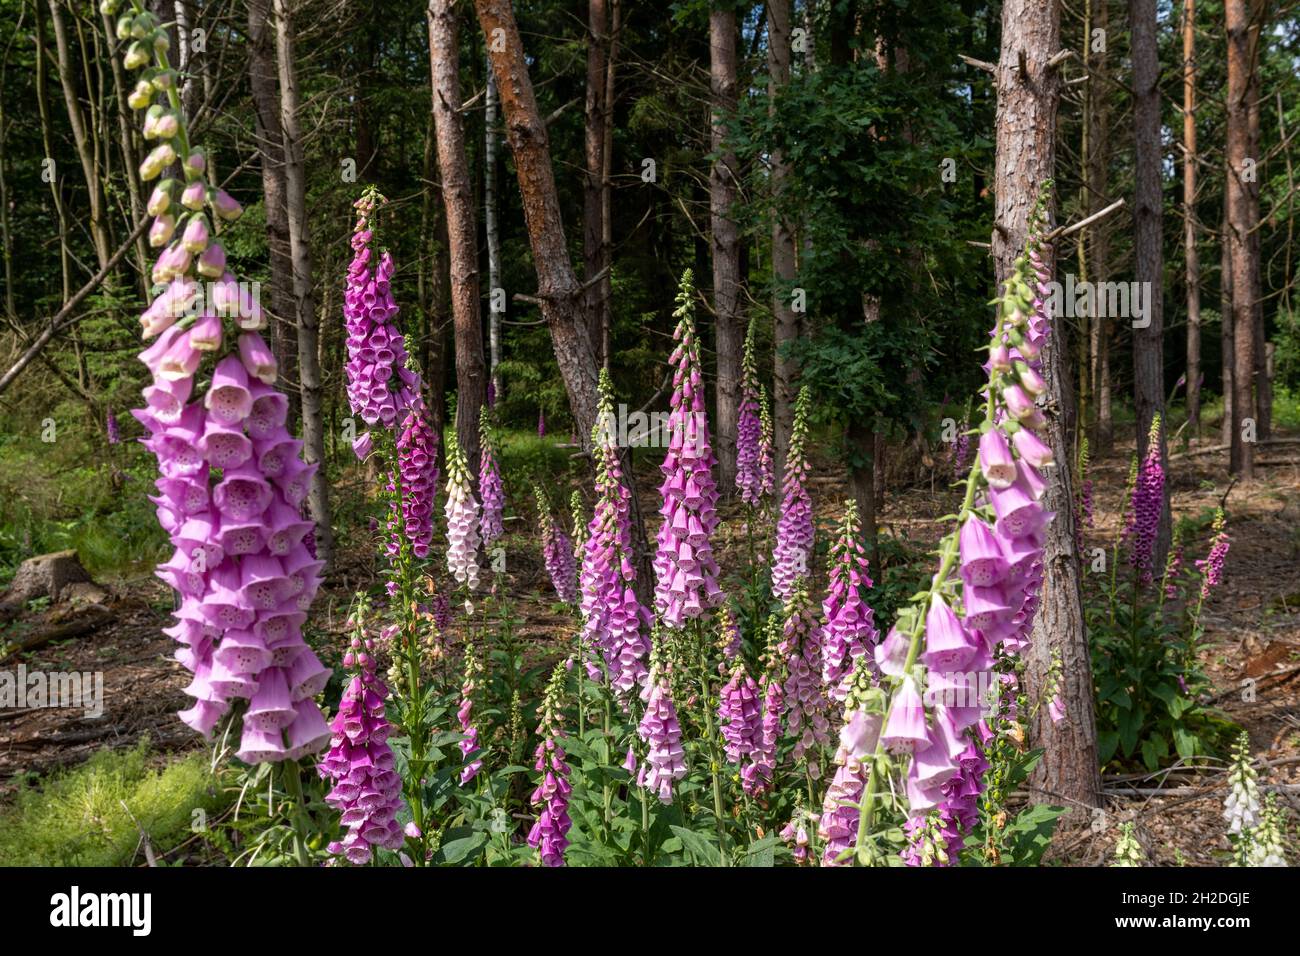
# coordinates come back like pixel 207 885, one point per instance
pixel 1252 631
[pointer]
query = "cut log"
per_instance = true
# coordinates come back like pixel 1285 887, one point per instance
pixel 45 576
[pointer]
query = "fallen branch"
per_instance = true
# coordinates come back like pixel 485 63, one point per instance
pixel 1061 231
pixel 63 318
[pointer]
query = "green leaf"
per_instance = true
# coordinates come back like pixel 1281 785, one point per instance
pixel 699 846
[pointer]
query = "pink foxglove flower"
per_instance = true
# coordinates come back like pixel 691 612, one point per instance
pixel 849 631
pixel 366 790
pixel 380 386
pixel 766 452
pixel 615 623
pixel 838 826
pixel 1147 503
pixel 549 835
pixel 462 519
pixel 805 698
pixel 111 428
pixel 557 552
pixel 686 574
pixel 243 575
pixel 665 759
pixel 417 463
pixel 749 428
pixel 740 716
pixel 794 528
pixel 489 485
pixel 469 747
pixel 1211 566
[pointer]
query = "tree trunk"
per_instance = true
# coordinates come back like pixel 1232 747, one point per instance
pixel 607 189
pixel 1226 337
pixel 729 336
pixel 462 232
pixel 81 137
pixel 1190 254
pixel 1097 96
pixel 1148 206
pixel 785 368
pixel 264 86
pixel 304 309
pixel 1026 124
pixel 558 287
pixel 594 150
pixel 491 138
pixel 1263 385
pixel 1243 216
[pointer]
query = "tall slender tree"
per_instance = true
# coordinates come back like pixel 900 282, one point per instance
pixel 725 237
pixel 784 263
pixel 1190 255
pixel 1148 209
pixel 462 231
pixel 305 319
pixel 1028 89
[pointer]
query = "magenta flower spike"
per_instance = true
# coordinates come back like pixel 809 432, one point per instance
pixel 380 386
pixel 794 527
pixel 766 452
pixel 665 759
pixel 615 622
pixel 241 570
pixel 549 834
pixel 469 746
pixel 849 631
pixel 366 790
pixel 1147 502
pixel 838 825
pixel 417 463
pixel 686 574
pixel 557 552
pixel 740 716
pixel 804 694
pixel 749 428
pixel 1211 566
pixel 489 484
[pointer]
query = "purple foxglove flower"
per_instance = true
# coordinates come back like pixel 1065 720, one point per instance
pixel 557 553
pixel 417 462
pixel 1147 503
pixel 686 574
pixel 194 195
pixel 380 387
pixel 1032 449
pixel 196 235
pixel 469 746
pixel 665 759
pixel 739 715
pixel 160 233
pixel 1211 566
pixel 756 776
pixel 226 206
pixel 838 825
pixel 749 428
pixel 849 631
pixel 489 486
pixel 805 698
pixel 366 791
pixel 257 358
pixel 615 623
pixel 766 454
pixel 906 729
pixel 549 835
pixel 110 428
pixel 541 423
pixel 794 528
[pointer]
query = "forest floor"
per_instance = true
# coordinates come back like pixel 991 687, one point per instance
pixel 1252 634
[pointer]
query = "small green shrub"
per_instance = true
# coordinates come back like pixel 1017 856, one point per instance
pixel 80 817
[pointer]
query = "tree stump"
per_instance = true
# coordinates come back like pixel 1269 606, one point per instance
pixel 77 604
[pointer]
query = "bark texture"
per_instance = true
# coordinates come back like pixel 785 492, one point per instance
pixel 1026 123
pixel 462 231
pixel 785 369
pixel 304 307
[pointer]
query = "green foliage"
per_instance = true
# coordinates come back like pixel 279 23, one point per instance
pixel 93 815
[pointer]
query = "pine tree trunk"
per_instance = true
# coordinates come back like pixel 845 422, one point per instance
pixel 785 368
pixel 1243 216
pixel 1226 336
pixel 492 226
pixel 1148 207
pixel 729 337
pixel 596 115
pixel 1190 254
pixel 462 231
pixel 264 86
pixel 1026 125
pixel 1098 95
pixel 304 309
pixel 1263 384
